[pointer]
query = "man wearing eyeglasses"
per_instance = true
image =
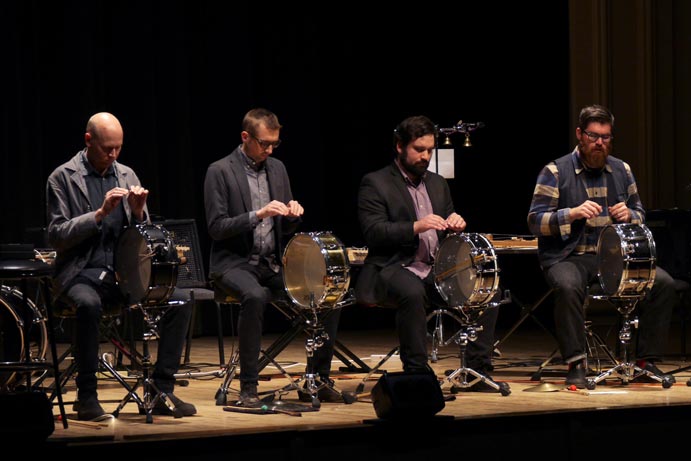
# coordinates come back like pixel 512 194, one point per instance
pixel 575 198
pixel 250 210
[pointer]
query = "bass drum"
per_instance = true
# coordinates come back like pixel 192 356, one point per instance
pixel 465 270
pixel 316 271
pixel 12 349
pixel 146 264
pixel 626 260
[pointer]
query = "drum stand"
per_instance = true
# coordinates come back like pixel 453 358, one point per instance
pixel 316 337
pixel 152 394
pixel 627 370
pixel 468 332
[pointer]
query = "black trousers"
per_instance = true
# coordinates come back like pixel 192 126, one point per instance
pixel 412 297
pixel 255 286
pixel 570 279
pixel 89 299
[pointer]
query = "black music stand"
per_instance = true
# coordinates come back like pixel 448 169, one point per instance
pixel 504 247
pixel 23 270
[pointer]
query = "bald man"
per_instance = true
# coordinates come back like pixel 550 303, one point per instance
pixel 90 200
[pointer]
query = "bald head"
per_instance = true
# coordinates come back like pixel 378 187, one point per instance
pixel 103 139
pixel 101 124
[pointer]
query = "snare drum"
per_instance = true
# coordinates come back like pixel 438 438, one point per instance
pixel 316 271
pixel 465 270
pixel 12 335
pixel 146 264
pixel 626 260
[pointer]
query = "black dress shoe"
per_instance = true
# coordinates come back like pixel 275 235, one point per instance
pixel 576 374
pixel 89 409
pixel 326 392
pixel 186 409
pixel 650 366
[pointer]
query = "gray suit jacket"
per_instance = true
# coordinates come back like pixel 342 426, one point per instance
pixel 228 203
pixel 386 213
pixel 72 227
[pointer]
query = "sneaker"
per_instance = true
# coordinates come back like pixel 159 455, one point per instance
pixel 576 374
pixel 248 393
pixel 88 409
pixel 647 365
pixel 182 408
pixel 326 392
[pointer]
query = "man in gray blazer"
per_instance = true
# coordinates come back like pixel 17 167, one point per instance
pixel 90 198
pixel 405 211
pixel 250 210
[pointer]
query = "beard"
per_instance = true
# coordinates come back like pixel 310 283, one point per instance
pixel 594 156
pixel 417 169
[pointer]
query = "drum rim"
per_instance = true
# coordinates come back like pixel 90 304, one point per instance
pixel 479 275
pixel 328 291
pixel 618 229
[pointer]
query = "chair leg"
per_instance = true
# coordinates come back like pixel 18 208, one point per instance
pixel 219 321
pixel 190 330
pixel 537 375
pixel 361 387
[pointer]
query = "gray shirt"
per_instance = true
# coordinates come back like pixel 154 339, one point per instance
pixel 263 234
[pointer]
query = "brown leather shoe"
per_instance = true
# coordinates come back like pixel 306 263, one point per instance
pixel 248 393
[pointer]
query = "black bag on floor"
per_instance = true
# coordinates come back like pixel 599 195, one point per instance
pixel 402 395
pixel 26 416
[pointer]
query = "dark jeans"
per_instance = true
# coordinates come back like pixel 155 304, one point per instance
pixel 255 286
pixel 412 297
pixel 89 299
pixel 570 279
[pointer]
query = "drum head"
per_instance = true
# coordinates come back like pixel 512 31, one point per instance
pixel 315 270
pixel 462 266
pixel 146 264
pixel 610 260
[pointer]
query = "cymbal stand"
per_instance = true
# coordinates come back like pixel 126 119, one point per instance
pixel 627 370
pixel 151 393
pixel 468 332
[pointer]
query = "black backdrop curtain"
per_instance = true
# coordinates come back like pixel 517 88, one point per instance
pixel 180 76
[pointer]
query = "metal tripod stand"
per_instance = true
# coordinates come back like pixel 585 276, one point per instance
pixel 627 370
pixel 151 393
pixel 465 377
pixel 316 337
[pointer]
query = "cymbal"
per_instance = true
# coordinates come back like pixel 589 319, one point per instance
pixel 544 387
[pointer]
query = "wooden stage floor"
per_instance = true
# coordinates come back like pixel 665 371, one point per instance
pixel 534 423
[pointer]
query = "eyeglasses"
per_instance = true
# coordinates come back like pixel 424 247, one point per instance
pixel 266 144
pixel 593 137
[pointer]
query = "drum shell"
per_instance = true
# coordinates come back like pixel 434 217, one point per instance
pixel 626 260
pixel 466 272
pixel 146 264
pixel 12 349
pixel 316 271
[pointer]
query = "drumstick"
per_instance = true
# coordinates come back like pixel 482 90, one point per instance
pixel 454 270
pixel 263 410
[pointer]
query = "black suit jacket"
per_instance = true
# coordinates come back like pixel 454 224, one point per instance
pixel 228 203
pixel 386 213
